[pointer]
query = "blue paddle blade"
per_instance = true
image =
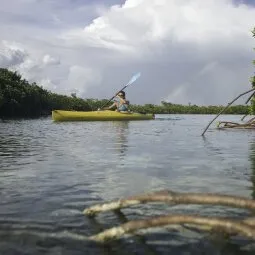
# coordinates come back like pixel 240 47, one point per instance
pixel 134 78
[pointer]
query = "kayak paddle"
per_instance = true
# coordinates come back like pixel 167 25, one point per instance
pixel 132 80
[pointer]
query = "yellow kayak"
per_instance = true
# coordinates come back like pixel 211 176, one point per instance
pixel 59 115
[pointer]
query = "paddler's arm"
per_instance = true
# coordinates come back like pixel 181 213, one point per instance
pixel 109 107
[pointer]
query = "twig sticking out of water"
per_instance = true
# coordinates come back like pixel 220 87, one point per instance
pixel 244 117
pixel 226 108
pixel 229 226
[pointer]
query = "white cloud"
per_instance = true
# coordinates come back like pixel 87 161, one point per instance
pixel 80 78
pixel 11 55
pixel 49 60
pixel 187 51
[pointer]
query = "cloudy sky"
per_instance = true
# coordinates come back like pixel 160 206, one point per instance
pixel 193 51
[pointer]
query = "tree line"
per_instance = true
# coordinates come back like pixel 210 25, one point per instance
pixel 19 98
pixel 169 108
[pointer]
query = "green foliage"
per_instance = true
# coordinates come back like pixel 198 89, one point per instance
pixel 169 108
pixel 1 98
pixel 18 98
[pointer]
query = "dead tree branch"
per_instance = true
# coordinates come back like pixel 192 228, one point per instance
pixel 228 124
pixel 250 97
pixel 229 226
pixel 174 198
pixel 247 101
pixel 226 108
pixel 244 117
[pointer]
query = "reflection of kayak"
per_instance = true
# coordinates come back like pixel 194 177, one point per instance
pixel 59 115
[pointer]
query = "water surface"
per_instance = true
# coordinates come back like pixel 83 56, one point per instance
pixel 50 172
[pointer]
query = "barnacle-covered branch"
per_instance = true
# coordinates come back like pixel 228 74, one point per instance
pixel 229 226
pixel 174 198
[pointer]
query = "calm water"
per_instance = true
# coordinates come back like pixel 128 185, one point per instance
pixel 50 172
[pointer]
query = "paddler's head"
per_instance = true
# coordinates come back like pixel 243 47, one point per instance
pixel 122 94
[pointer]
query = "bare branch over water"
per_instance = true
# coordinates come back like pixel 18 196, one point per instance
pixel 229 226
pixel 245 227
pixel 171 197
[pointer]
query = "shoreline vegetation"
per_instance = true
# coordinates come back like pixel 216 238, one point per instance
pixel 21 99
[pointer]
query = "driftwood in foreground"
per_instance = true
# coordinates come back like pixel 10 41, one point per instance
pixel 229 226
pixel 245 227
pixel 174 198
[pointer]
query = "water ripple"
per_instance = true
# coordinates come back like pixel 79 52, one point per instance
pixel 50 172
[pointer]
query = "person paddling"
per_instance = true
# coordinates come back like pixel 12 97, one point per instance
pixel 120 103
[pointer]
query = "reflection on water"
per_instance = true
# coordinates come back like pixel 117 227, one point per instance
pixel 50 172
pixel 252 159
pixel 121 135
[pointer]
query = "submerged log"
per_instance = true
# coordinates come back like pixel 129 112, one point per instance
pixel 171 197
pixel 245 227
pixel 229 226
